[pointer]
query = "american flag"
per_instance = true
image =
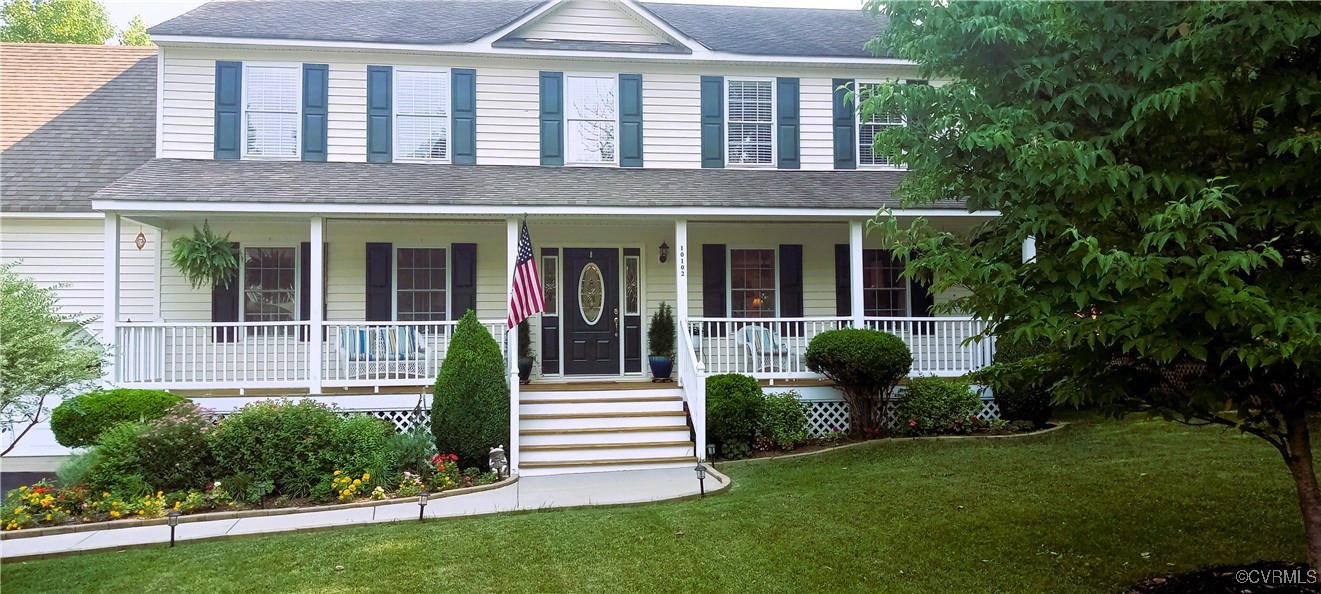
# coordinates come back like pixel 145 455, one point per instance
pixel 525 299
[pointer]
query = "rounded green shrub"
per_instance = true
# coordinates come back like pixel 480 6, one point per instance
pixel 783 420
pixel 865 365
pixel 470 411
pixel 118 459
pixel 734 406
pixel 290 444
pixel 1023 392
pixel 359 445
pixel 78 421
pixel 937 405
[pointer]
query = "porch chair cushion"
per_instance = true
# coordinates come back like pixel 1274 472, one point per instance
pixel 379 343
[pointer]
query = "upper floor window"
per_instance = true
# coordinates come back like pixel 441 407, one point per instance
pixel 420 285
pixel 421 114
pixel 592 119
pixel 751 122
pixel 870 126
pixel 272 94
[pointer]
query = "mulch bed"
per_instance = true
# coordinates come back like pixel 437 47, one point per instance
pixel 1275 577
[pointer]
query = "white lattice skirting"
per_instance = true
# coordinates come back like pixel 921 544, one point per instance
pixel 403 420
pixel 824 416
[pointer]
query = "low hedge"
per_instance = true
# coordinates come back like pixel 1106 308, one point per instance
pixel 734 406
pixel 80 420
pixel 937 405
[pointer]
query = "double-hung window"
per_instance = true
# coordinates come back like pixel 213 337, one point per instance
pixel 591 119
pixel 884 289
pixel 750 139
pixel 270 284
pixel 752 283
pixel 272 96
pixel 869 126
pixel 421 285
pixel 421 114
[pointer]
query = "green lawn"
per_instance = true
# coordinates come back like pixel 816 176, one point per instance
pixel 1094 507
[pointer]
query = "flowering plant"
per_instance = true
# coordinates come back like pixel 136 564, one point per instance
pixel 378 493
pixel 410 486
pixel 346 487
pixel 447 474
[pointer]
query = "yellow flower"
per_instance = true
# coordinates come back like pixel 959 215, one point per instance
pixel 114 514
pixel 336 472
pixel 367 476
pixel 357 482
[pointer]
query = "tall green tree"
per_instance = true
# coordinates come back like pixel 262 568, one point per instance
pixel 55 21
pixel 43 353
pixel 135 33
pixel 1165 159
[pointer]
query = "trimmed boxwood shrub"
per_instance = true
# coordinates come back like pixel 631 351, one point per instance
pixel 1023 391
pixel 470 411
pixel 784 422
pixel 865 364
pixel 937 405
pixel 78 421
pixel 734 405
pixel 290 444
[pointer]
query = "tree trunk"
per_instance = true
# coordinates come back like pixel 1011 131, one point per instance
pixel 1299 459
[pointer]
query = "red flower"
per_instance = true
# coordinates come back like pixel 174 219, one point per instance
pixel 911 422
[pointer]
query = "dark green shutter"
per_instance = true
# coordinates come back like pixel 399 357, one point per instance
pixel 305 284
pixel 843 284
pixel 379 275
pixel 552 118
pixel 225 306
pixel 920 303
pixel 845 120
pixel 380 112
pixel 463 116
pixel 713 281
pixel 316 95
pixel 791 288
pixel 713 122
pixel 229 99
pixel 630 120
pixel 463 296
pixel 786 117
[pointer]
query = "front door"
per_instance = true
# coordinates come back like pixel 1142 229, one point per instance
pixel 591 311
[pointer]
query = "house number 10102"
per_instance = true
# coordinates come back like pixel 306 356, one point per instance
pixel 683 261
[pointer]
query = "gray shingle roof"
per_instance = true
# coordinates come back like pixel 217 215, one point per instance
pixel 759 30
pixel 735 29
pixel 265 182
pixel 76 119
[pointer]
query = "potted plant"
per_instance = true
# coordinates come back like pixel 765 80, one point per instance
pixel 204 258
pixel 660 343
pixel 526 356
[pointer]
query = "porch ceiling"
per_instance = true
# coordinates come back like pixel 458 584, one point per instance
pixel 242 185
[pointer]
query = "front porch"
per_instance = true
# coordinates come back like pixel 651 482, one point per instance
pixel 363 305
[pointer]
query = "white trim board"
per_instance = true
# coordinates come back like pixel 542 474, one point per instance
pixel 388 210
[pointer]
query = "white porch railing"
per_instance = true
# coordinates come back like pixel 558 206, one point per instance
pixel 212 355
pixel 207 355
pixel 938 343
pixel 692 379
pixel 776 348
pixel 391 353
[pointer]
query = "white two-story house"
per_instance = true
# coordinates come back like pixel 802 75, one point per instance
pixel 374 161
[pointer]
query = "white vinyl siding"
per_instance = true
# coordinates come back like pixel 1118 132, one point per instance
pixel 69 255
pixel 589 20
pixel 869 127
pixel 672 112
pixel 592 119
pixel 272 100
pixel 346 117
pixel 421 114
pixel 750 122
pixel 187 111
pixel 816 123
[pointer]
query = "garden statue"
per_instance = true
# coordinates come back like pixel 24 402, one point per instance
pixel 499 463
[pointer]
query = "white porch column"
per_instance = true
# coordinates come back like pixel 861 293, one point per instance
pixel 681 273
pixel 1029 249
pixel 855 272
pixel 317 307
pixel 511 339
pixel 110 299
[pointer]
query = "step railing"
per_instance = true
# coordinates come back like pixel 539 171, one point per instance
pixel 692 380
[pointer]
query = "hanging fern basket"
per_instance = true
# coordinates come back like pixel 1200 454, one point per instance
pixel 204 258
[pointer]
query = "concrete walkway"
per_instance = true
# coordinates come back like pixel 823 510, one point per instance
pixel 530 493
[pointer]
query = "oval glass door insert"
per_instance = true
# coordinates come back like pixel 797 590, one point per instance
pixel 591 294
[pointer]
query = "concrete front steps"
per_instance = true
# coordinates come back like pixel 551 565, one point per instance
pixel 564 432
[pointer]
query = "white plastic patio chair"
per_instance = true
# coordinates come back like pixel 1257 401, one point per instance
pixel 763 346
